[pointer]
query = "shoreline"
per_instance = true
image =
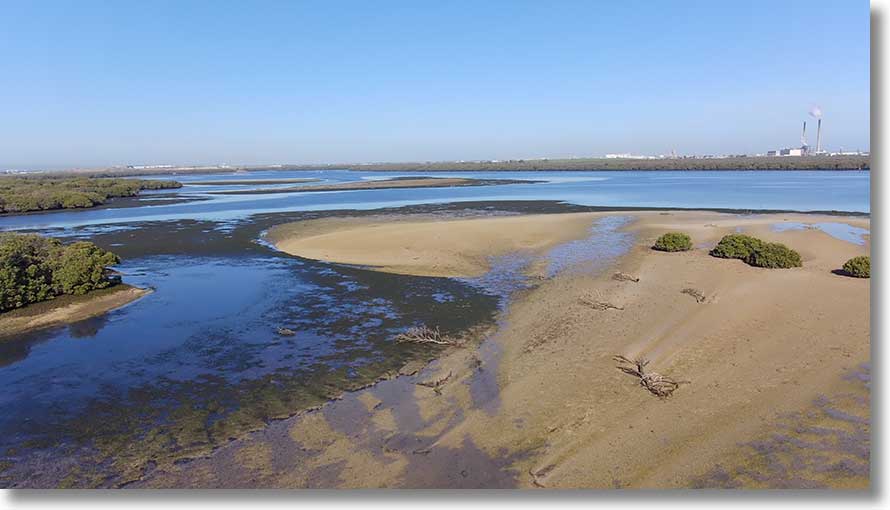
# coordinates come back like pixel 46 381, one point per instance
pixel 67 309
pixel 760 163
pixel 764 343
pixel 396 183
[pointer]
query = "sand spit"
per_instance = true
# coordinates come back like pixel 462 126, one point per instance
pixel 453 248
pixel 67 309
pixel 244 182
pixel 773 363
pixel 398 183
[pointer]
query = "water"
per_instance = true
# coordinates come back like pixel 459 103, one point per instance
pixel 842 231
pixel 846 191
pixel 199 360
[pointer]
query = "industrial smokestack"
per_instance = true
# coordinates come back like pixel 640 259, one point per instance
pixel 816 112
pixel 803 135
pixel 819 136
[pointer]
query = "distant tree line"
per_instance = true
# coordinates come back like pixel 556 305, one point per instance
pixel 26 194
pixel 840 162
pixel 35 268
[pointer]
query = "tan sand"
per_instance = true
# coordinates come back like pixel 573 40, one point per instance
pixel 460 247
pixel 242 182
pixel 764 344
pixel 66 309
pixel 432 182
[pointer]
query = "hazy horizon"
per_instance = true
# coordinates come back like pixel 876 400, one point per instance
pixel 212 83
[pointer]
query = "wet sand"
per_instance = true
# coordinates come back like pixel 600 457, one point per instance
pixel 776 364
pixel 67 309
pixel 243 182
pixel 398 183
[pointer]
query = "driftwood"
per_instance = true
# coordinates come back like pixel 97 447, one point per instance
pixel 598 305
pixel 436 384
pixel 659 385
pixel 286 332
pixel 425 335
pixel 536 475
pixel 624 277
pixel 695 293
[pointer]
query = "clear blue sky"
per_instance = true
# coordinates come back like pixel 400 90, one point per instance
pixel 99 83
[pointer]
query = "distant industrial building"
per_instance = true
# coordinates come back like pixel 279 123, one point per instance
pixel 805 149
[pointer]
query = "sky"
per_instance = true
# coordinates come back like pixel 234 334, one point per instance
pixel 87 84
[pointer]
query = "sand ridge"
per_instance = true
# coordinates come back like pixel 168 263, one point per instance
pixel 440 247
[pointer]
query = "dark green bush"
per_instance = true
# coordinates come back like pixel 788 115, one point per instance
pixel 673 241
pixel 35 268
pixel 774 256
pixel 860 267
pixel 756 252
pixel 736 246
pixel 81 268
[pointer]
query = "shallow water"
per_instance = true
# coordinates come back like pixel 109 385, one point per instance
pixel 842 231
pixel 763 190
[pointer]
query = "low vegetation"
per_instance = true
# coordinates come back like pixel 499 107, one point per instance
pixel 35 268
pixel 859 267
pixel 756 252
pixel 738 162
pixel 27 194
pixel 736 246
pixel 774 256
pixel 673 241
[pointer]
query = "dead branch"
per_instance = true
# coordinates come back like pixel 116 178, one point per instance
pixel 436 385
pixel 695 293
pixel 425 335
pixel 659 385
pixel 541 473
pixel 624 277
pixel 598 305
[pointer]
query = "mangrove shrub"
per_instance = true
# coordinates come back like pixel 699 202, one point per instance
pixel 35 268
pixel 673 241
pixel 41 193
pixel 860 267
pixel 756 252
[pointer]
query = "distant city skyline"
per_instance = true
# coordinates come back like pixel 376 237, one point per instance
pixel 90 84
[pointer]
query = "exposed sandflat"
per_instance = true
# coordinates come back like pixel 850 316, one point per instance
pixel 459 247
pixel 764 345
pixel 243 182
pixel 431 182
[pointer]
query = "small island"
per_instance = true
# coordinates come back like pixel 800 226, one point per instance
pixel 45 193
pixel 395 183
pixel 44 282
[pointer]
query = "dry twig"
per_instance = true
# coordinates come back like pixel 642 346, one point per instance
pixel 598 305
pixel 425 335
pixel 659 385
pixel 436 385
pixel 624 277
pixel 695 293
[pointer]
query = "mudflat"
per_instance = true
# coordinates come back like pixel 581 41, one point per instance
pixel 66 309
pixel 773 365
pixel 398 183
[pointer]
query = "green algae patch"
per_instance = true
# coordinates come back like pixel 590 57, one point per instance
pixel 211 416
